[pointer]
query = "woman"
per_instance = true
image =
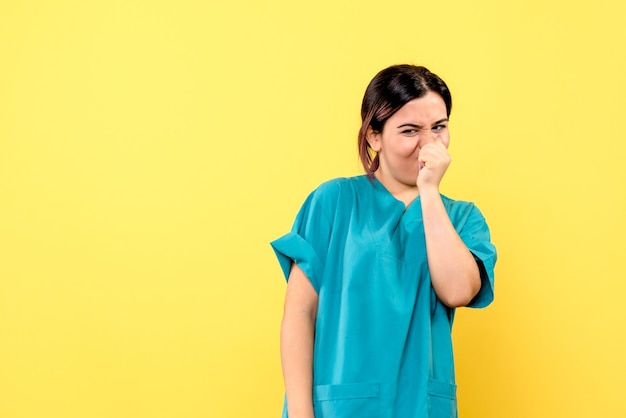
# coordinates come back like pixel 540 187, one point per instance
pixel 376 265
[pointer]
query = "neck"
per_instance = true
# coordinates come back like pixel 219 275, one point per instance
pixel 405 193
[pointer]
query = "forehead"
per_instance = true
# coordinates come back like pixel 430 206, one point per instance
pixel 430 107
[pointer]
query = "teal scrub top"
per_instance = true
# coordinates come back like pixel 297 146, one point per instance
pixel 383 346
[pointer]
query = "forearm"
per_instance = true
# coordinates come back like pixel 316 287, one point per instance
pixel 453 270
pixel 297 338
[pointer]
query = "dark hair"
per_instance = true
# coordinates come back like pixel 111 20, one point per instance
pixel 388 91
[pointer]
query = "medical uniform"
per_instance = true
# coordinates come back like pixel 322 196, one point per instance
pixel 383 346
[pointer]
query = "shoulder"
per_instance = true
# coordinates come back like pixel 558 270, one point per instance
pixel 336 195
pixel 460 210
pixel 337 188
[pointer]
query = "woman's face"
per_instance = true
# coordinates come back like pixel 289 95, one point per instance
pixel 404 134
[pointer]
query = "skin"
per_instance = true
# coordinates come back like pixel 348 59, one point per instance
pixel 415 136
pixel 296 343
pixel 413 154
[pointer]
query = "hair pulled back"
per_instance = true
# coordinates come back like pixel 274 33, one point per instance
pixel 388 91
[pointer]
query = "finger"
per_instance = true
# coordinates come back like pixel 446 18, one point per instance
pixel 434 143
pixel 421 159
pixel 438 140
pixel 437 146
pixel 433 155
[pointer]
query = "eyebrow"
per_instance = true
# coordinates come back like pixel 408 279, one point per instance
pixel 412 125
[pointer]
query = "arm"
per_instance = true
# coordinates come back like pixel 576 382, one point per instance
pixel 296 343
pixel 453 270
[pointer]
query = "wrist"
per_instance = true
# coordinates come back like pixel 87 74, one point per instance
pixel 427 191
pixel 302 414
pixel 303 409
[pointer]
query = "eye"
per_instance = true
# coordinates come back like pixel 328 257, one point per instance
pixel 410 132
pixel 439 127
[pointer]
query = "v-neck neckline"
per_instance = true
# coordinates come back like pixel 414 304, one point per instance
pixel 380 186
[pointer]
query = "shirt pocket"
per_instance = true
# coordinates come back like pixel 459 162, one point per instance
pixel 441 399
pixel 349 400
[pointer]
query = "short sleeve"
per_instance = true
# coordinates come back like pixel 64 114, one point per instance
pixel 475 234
pixel 307 243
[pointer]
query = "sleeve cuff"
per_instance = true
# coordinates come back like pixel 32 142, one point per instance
pixel 486 262
pixel 292 248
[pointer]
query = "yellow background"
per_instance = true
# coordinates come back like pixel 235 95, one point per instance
pixel 150 150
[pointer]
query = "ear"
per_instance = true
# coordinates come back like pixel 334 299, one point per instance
pixel 373 139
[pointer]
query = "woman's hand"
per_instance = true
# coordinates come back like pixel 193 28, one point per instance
pixel 433 162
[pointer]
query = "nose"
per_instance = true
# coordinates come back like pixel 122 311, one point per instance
pixel 426 137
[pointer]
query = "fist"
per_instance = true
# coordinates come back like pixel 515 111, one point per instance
pixel 433 161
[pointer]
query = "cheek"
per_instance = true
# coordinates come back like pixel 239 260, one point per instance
pixel 408 148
